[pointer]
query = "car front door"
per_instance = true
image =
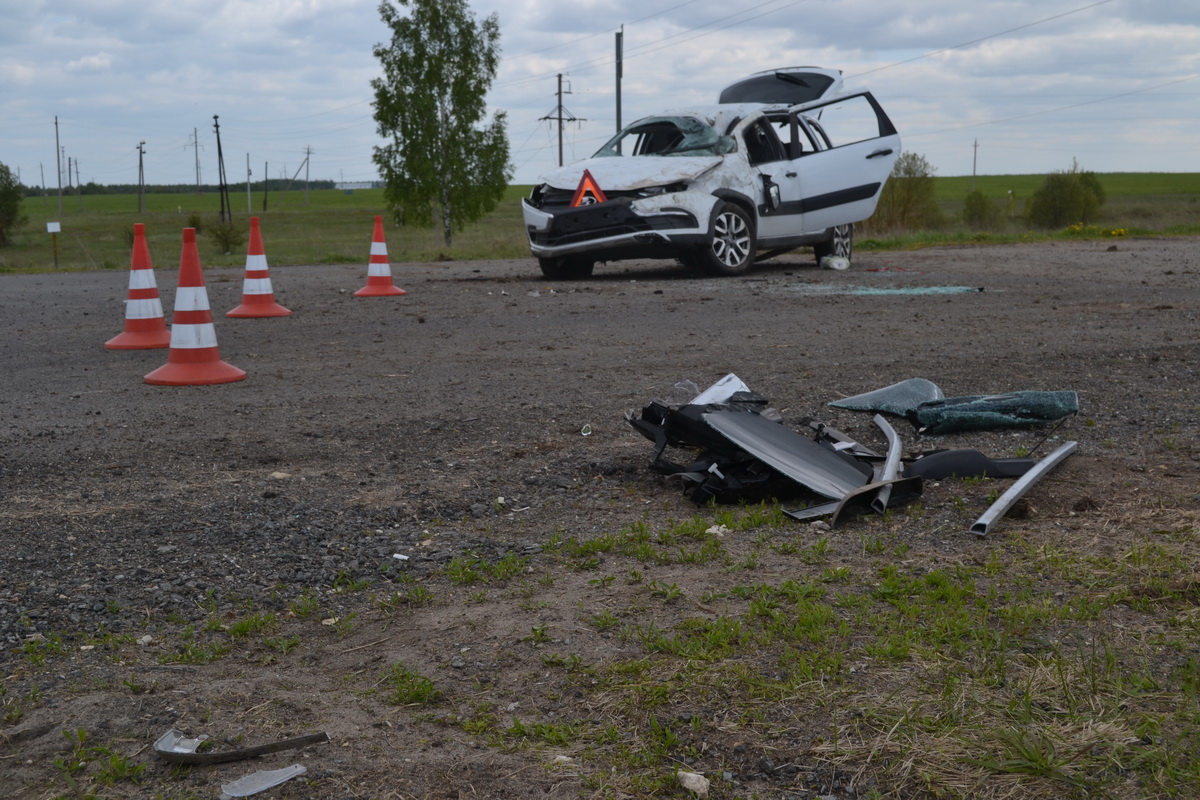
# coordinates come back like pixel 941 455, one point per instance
pixel 840 183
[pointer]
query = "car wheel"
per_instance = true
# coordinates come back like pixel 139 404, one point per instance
pixel 568 268
pixel 840 243
pixel 730 249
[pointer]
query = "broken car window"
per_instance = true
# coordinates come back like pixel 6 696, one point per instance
pixel 668 136
pixel 846 122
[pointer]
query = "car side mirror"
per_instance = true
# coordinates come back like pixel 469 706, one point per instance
pixel 771 195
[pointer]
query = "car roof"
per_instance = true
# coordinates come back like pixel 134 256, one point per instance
pixel 719 116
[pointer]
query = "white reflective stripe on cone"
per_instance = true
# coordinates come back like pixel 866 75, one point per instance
pixel 378 271
pixel 193 337
pixel 142 279
pixel 256 286
pixel 379 248
pixel 191 298
pixel 148 308
pixel 256 262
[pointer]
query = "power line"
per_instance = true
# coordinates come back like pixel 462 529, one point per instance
pixel 980 39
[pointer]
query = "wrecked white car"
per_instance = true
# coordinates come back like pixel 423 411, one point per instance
pixel 718 187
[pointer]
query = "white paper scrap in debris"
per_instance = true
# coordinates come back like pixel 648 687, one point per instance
pixel 721 391
pixel 260 781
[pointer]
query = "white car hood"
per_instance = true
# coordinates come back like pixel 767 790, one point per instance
pixel 631 172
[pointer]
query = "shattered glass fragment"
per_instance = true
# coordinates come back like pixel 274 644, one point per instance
pixel 898 399
pixel 988 412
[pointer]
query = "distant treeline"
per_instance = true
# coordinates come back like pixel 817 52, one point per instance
pixel 90 188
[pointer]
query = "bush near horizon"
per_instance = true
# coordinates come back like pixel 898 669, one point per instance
pixel 1064 198
pixel 909 198
pixel 10 204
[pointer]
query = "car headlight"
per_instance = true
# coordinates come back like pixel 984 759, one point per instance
pixel 654 191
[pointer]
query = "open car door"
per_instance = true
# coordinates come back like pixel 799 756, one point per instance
pixel 839 181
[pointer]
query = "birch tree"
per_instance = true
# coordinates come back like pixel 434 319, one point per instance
pixel 443 162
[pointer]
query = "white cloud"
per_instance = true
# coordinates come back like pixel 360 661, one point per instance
pixel 286 74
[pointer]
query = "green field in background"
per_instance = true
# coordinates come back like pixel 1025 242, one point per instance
pixel 332 226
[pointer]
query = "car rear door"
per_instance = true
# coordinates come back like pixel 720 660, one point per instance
pixel 841 184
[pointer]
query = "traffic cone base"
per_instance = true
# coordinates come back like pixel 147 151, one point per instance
pixel 379 271
pixel 195 373
pixel 258 298
pixel 145 327
pixel 193 359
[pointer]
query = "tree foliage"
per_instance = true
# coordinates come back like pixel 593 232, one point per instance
pixel 1065 198
pixel 978 210
pixel 908 200
pixel 10 204
pixel 442 161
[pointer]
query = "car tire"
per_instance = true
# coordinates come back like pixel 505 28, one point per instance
pixel 840 243
pixel 730 249
pixel 567 268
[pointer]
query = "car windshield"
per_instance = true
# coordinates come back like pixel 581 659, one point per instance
pixel 668 136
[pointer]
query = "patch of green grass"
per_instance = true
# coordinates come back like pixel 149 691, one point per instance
pixel 253 624
pixel 404 686
pixel 469 569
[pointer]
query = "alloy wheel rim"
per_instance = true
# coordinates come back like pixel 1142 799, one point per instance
pixel 731 239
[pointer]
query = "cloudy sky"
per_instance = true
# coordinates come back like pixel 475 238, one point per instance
pixel 1023 86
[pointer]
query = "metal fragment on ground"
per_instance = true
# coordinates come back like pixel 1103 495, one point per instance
pixel 260 781
pixel 1018 489
pixel 176 747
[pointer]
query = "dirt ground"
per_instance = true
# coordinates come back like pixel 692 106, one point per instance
pixel 449 424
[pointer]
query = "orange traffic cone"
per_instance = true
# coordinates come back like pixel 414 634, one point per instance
pixel 258 298
pixel 379 272
pixel 193 359
pixel 145 327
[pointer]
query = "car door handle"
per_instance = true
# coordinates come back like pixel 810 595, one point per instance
pixel 878 153
pixel 790 174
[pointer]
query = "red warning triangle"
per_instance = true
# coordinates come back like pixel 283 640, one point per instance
pixel 588 193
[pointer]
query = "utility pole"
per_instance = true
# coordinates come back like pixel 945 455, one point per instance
pixel 620 74
pixel 45 194
pixel 974 162
pixel 249 209
pixel 223 187
pixel 307 153
pixel 141 148
pixel 58 163
pixel 266 183
pixel 561 114
pixel 195 145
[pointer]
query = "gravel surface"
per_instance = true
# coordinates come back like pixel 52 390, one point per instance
pixel 449 422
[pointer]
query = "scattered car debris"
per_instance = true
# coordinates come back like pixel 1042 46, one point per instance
pixel 177 747
pixel 260 781
pixel 934 414
pixel 745 452
pixel 897 399
pixel 1006 501
pixel 988 412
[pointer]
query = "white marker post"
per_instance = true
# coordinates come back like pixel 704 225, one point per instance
pixel 53 229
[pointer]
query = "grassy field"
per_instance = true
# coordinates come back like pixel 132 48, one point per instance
pixel 335 227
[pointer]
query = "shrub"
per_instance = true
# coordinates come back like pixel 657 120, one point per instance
pixel 10 204
pixel 1065 198
pixel 908 200
pixel 978 210
pixel 227 236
